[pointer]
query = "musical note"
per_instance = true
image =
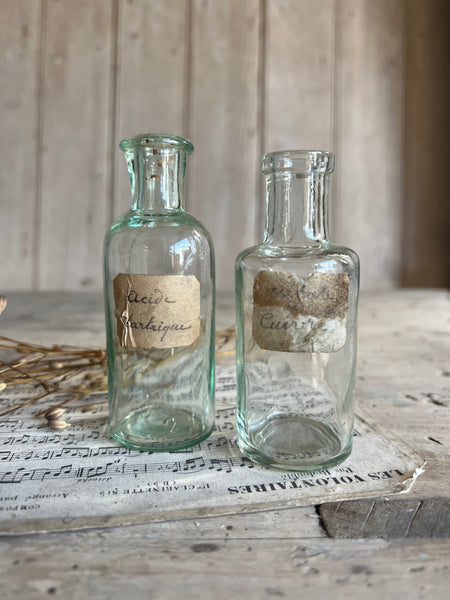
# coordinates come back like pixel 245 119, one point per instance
pixel 6 477
pixel 220 464
pixel 11 424
pixel 245 462
pixel 96 471
pixel 65 470
pixel 44 455
pixel 226 413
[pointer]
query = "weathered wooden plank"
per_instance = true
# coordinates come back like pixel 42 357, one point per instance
pixel 75 114
pixel 298 91
pixel 135 563
pixel 405 518
pixel 223 126
pixel 19 76
pixel 368 136
pixel 427 129
pixel 432 519
pixel 151 93
pixel 402 371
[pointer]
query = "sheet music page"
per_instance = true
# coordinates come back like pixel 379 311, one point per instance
pixel 78 477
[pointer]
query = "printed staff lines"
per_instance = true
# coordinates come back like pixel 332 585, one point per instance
pixel 66 452
pixel 71 471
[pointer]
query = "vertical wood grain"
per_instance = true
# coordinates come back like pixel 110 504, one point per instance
pixel 299 75
pixel 151 93
pixel 368 80
pixel 19 72
pixel 298 78
pixel 75 116
pixel 368 136
pixel 426 260
pixel 223 126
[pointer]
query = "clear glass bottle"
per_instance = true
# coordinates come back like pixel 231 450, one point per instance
pixel 159 299
pixel 296 307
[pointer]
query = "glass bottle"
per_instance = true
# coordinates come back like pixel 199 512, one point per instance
pixel 159 300
pixel 296 305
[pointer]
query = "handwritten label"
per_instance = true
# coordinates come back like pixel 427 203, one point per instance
pixel 157 311
pixel 292 314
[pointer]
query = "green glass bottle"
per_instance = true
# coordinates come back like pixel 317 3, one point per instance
pixel 159 304
pixel 296 304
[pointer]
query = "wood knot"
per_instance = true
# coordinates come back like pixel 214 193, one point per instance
pixel 204 547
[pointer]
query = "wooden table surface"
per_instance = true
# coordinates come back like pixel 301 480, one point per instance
pixel 375 548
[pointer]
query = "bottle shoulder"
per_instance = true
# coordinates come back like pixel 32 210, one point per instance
pixel 134 223
pixel 323 250
pixel 248 252
pixel 326 256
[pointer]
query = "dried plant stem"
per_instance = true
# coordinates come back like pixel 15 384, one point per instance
pixel 24 403
pixel 95 419
pixel 20 363
pixel 88 406
pixel 26 375
pixel 52 367
pixel 225 353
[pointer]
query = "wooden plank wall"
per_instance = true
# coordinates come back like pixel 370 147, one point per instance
pixel 75 115
pixel 239 78
pixel 427 115
pixel 19 141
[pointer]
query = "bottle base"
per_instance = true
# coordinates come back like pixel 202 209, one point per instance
pixel 160 430
pixel 292 443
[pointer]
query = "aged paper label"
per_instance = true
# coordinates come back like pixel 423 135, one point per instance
pixel 157 311
pixel 292 314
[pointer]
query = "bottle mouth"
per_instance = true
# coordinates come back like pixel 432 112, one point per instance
pixel 298 161
pixel 157 141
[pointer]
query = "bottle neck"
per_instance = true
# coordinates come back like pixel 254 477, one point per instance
pixel 296 208
pixel 157 178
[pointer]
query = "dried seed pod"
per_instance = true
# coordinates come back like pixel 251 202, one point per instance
pixel 3 303
pixel 54 413
pixel 3 386
pixel 56 365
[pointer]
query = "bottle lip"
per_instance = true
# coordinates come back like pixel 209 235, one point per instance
pixel 298 161
pixel 159 141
